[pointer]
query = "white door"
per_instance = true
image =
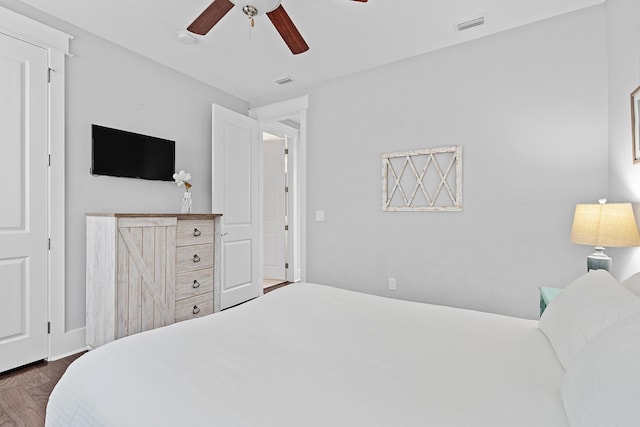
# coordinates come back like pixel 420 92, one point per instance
pixel 236 173
pixel 24 206
pixel 274 211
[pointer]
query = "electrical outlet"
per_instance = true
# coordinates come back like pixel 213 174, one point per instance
pixel 319 215
pixel 392 284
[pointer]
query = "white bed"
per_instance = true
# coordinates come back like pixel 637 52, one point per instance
pixel 312 355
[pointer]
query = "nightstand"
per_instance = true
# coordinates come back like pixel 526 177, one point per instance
pixel 546 295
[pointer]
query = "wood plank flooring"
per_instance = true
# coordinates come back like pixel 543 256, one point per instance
pixel 272 285
pixel 24 392
pixel 267 283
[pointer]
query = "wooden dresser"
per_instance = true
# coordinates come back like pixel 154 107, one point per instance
pixel 145 271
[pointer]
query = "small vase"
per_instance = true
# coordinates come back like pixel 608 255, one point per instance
pixel 186 203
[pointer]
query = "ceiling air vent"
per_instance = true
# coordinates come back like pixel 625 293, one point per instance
pixel 284 80
pixel 475 22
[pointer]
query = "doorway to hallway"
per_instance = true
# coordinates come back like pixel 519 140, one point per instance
pixel 275 200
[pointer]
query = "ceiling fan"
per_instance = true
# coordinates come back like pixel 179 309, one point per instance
pixel 272 8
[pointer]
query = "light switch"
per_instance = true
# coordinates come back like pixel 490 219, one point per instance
pixel 319 215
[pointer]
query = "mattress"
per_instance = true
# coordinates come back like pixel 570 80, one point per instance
pixel 313 355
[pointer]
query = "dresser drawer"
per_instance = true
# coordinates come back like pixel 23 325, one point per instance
pixel 193 307
pixel 196 257
pixel 194 283
pixel 194 232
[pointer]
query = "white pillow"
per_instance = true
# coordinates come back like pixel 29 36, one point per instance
pixel 633 284
pixel 582 310
pixel 602 385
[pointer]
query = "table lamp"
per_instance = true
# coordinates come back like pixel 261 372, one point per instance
pixel 604 224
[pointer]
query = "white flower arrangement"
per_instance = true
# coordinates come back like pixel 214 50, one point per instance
pixel 182 178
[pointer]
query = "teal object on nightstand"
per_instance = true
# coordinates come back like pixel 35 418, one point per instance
pixel 546 295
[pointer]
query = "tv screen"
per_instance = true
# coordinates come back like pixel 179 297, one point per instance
pixel 131 155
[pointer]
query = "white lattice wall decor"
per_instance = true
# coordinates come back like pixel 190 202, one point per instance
pixel 422 180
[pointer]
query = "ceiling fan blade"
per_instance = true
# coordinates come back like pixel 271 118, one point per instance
pixel 288 30
pixel 210 17
pixel 361 1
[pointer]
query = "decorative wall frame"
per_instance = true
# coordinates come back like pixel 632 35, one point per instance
pixel 422 180
pixel 635 123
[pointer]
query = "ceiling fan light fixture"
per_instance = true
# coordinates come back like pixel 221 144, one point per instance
pixel 250 11
pixel 253 8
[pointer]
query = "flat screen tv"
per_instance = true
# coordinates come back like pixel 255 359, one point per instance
pixel 131 155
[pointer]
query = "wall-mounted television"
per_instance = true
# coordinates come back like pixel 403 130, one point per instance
pixel 131 155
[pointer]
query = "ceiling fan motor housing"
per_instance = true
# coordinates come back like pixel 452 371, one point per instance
pixel 256 7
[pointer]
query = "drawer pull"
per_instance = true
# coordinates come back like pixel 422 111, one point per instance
pixel 195 310
pixel 196 284
pixel 196 232
pixel 196 258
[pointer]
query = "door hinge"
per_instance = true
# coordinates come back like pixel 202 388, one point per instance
pixel 286 228
pixel 49 245
pixel 286 265
pixel 49 70
pixel 48 327
pixel 286 151
pixel 286 189
pixel 49 159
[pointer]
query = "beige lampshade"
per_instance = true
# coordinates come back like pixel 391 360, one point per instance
pixel 608 224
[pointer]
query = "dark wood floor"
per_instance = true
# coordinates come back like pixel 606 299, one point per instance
pixel 24 392
pixel 275 286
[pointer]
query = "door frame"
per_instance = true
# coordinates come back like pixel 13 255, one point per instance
pixel 13 24
pixel 270 118
pixel 286 203
pixel 291 137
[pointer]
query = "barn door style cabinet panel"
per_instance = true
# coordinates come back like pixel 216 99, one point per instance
pixel 145 271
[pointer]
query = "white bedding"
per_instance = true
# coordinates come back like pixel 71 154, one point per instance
pixel 312 355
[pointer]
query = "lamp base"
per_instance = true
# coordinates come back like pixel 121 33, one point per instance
pixel 598 260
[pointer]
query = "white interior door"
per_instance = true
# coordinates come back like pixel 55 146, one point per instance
pixel 274 209
pixel 24 207
pixel 236 173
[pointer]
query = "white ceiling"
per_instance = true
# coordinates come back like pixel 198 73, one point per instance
pixel 344 36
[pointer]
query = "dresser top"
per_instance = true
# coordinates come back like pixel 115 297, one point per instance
pixel 161 215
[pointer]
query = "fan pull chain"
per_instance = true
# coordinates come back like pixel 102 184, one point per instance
pixel 250 11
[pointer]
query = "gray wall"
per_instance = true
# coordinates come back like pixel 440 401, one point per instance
pixel 114 87
pixel 111 86
pixel 529 107
pixel 623 35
